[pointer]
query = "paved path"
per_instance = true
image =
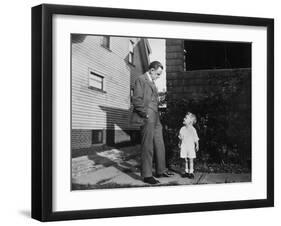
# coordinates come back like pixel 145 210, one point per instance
pixel 115 168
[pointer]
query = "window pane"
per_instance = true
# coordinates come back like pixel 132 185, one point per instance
pixel 130 58
pixel 95 83
pixel 131 52
pixel 95 77
pixel 105 41
pixel 97 136
pixel 131 47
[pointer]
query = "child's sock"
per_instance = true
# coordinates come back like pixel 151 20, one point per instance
pixel 186 166
pixel 191 169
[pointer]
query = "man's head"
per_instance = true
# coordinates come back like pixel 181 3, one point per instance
pixel 155 69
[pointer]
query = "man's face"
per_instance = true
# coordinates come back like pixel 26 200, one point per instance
pixel 155 73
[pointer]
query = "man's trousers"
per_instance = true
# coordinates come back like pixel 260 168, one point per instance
pixel 152 145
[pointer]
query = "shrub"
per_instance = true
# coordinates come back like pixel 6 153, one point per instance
pixel 223 121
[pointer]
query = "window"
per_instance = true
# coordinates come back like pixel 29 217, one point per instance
pixel 106 42
pixel 96 81
pixel 97 136
pixel 184 60
pixel 131 95
pixel 131 52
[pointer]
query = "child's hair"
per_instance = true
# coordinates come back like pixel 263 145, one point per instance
pixel 192 117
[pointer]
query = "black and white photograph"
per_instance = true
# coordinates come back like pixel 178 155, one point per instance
pixel 138 113
pixel 159 112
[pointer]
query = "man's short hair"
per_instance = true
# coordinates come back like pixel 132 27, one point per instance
pixel 155 65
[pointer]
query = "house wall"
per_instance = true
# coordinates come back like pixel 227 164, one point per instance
pixel 141 62
pixel 96 110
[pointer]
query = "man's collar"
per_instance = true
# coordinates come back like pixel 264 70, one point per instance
pixel 149 77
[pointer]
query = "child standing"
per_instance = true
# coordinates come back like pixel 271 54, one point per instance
pixel 188 144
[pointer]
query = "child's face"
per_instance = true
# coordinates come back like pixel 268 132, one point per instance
pixel 187 120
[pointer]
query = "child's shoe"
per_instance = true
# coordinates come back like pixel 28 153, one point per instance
pixel 191 176
pixel 185 175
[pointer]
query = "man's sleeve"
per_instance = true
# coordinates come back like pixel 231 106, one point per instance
pixel 137 98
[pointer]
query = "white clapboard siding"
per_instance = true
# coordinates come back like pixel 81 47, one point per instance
pixel 93 109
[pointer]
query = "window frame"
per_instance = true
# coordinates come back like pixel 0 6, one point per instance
pixel 107 44
pixel 131 52
pixel 93 73
pixel 92 136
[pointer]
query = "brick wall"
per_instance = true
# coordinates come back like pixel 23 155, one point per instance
pixel 195 84
pixel 82 138
pixel 174 65
pixel 174 55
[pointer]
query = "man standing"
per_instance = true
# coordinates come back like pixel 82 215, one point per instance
pixel 145 113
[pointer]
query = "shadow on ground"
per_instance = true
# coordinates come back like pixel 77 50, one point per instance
pixel 125 160
pixel 111 167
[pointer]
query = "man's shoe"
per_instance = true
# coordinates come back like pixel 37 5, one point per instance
pixel 170 173
pixel 165 174
pixel 150 180
pixel 162 175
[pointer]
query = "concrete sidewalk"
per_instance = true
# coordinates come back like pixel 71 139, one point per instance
pixel 117 168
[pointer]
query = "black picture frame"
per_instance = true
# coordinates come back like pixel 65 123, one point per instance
pixel 42 107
